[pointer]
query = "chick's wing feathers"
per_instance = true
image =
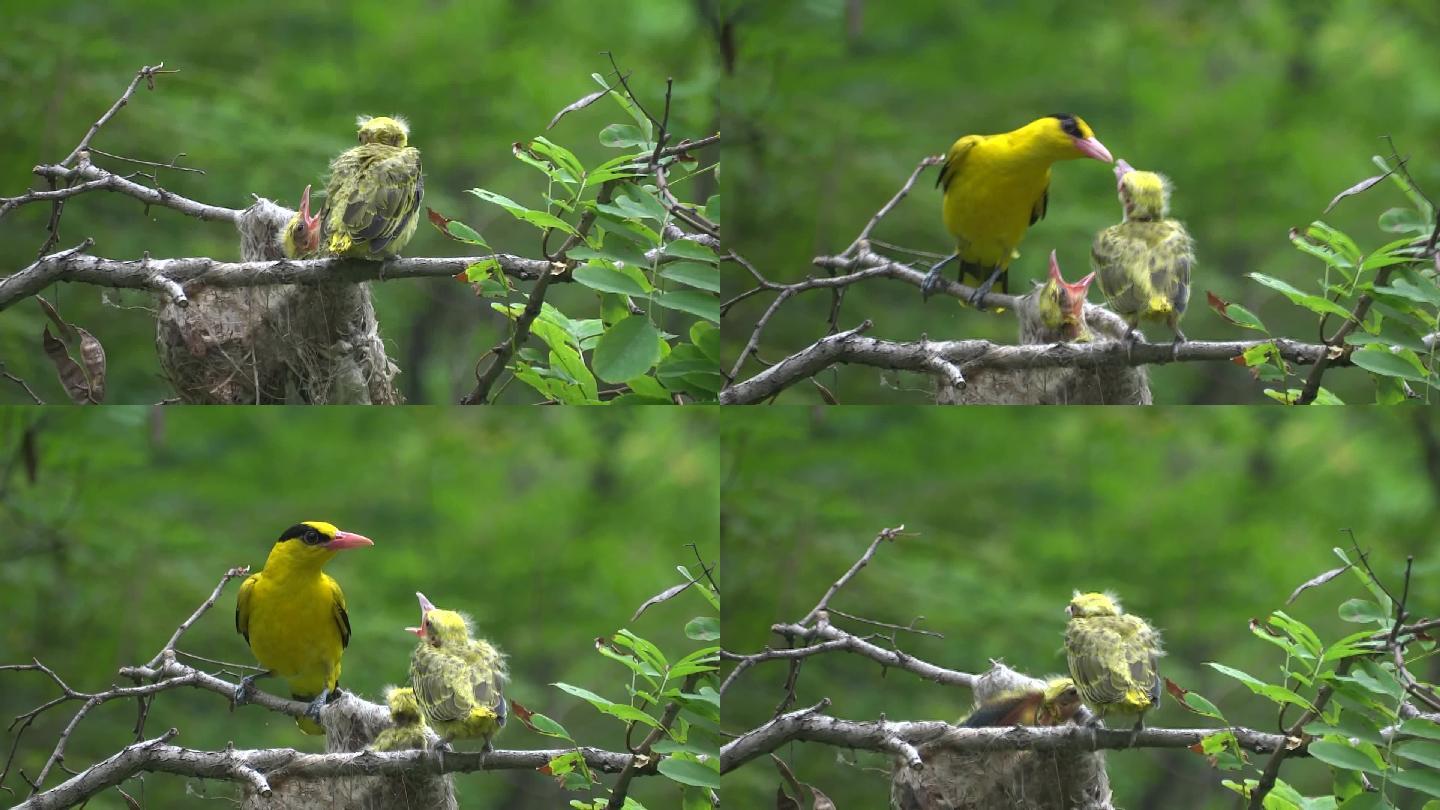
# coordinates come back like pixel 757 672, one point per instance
pixel 955 160
pixel 386 195
pixel 1113 658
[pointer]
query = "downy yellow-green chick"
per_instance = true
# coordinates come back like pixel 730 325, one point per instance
pixel 458 679
pixel 997 186
pixel 407 727
pixel 1055 311
pixel 372 201
pixel 1144 262
pixel 1053 705
pixel 301 237
pixel 1113 657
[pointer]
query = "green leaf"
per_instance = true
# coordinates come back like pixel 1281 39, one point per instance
pixel 706 338
pixel 1426 753
pixel 559 154
pixel 1360 611
pixel 689 772
pixel 1244 317
pixel 1197 703
pixel 690 249
pixel 549 727
pixel 1365 801
pixel 542 219
pixel 1386 362
pixel 621 136
pixel 1343 755
pixel 712 209
pixel 1427 782
pixel 694 302
pixel 1404 220
pixel 465 233
pixel 618 710
pixel 703 628
pixel 1313 303
pixel 1425 293
pixel 693 274
pixel 569 361
pixel 628 349
pixel 1420 727
pixel 1275 692
pixel 602 278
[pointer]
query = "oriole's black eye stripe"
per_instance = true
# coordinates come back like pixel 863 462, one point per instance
pixel 1068 125
pixel 308 535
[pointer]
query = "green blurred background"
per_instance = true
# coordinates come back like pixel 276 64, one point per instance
pixel 549 527
pixel 267 95
pixel 1259 112
pixel 1200 519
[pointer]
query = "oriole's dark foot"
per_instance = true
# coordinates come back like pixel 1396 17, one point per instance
pixel 977 298
pixel 1135 734
pixel 313 710
pixel 932 280
pixel 242 692
pixel 444 747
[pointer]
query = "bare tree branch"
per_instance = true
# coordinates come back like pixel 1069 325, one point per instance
pixel 73 266
pixel 925 355
pixel 252 766
pixel 900 737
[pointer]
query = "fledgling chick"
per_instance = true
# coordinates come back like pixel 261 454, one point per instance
pixel 1113 657
pixel 301 237
pixel 407 727
pixel 996 187
pixel 458 680
pixel 1053 705
pixel 1144 262
pixel 372 201
pixel 1054 312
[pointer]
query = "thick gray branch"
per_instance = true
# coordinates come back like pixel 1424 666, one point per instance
pixel 885 735
pixel 254 766
pixel 921 356
pixel 159 273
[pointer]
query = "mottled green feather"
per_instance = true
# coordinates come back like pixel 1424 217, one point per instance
pixel 1113 657
pixel 372 202
pixel 1144 262
pixel 458 680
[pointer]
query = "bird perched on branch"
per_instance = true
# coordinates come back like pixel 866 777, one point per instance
pixel 997 186
pixel 372 201
pixel 293 616
pixel 1051 705
pixel 1054 312
pixel 301 237
pixel 458 680
pixel 407 727
pixel 1113 657
pixel 1144 262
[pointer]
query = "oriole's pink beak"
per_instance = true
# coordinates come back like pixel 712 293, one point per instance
pixel 1121 169
pixel 425 607
pixel 344 540
pixel 1090 147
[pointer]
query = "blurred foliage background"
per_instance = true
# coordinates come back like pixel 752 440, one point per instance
pixel 1259 112
pixel 549 527
pixel 268 93
pixel 1199 519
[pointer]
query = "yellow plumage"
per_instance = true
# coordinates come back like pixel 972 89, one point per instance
pixel 458 680
pixel 1113 657
pixel 407 727
pixel 997 186
pixel 1144 262
pixel 294 616
pixel 372 202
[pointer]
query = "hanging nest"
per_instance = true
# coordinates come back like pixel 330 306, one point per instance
pixel 351 724
pixel 275 344
pixel 1057 385
pixel 1018 780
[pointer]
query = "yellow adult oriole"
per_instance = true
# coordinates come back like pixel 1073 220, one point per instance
pixel 997 186
pixel 293 616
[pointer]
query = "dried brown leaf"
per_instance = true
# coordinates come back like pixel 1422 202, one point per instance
pixel 1314 581
pixel 577 105
pixel 1363 185
pixel 72 377
pixel 668 593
